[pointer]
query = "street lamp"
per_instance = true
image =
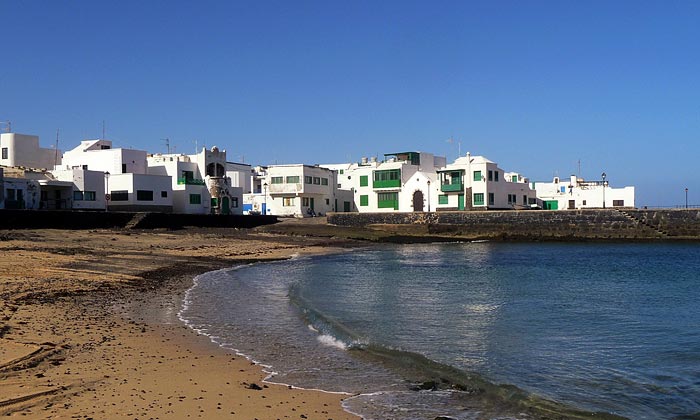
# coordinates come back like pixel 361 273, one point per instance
pixel 107 196
pixel 686 198
pixel 428 196
pixel 603 175
pixel 264 205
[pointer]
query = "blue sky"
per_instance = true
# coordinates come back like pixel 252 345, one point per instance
pixel 535 86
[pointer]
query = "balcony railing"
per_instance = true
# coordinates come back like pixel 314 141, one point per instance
pixel 190 181
pixel 389 183
pixel 458 186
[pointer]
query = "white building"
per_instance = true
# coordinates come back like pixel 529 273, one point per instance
pixel 24 150
pixel 127 182
pixel 577 193
pixel 403 182
pixel 474 182
pixel 200 182
pixel 296 191
pixel 17 191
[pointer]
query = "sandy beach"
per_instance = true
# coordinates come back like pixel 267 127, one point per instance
pixel 88 328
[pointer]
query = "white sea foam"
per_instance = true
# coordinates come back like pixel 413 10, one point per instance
pixel 330 341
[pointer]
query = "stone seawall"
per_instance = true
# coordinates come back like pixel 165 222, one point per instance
pixel 534 224
pixel 45 219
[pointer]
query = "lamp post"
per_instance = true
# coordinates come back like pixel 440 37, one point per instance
pixel 686 198
pixel 603 175
pixel 264 205
pixel 428 196
pixel 107 196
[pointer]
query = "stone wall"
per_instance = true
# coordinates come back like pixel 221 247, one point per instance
pixel 534 224
pixel 36 219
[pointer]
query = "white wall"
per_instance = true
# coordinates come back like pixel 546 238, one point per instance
pixel 24 150
pixel 85 181
pixel 132 183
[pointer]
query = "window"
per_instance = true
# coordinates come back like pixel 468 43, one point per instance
pixel 234 202
pixel 90 195
pixel 195 199
pixel 163 194
pixel 328 202
pixel 495 176
pixel 584 202
pixel 510 198
pixel 85 167
pixel 123 168
pixel 5 153
pixel 292 180
pixel 525 200
pixel 443 199
pixel 308 180
pixel 342 171
pixel 514 178
pixel 618 203
pixel 144 195
pixel 288 201
pixel 305 201
pixel 188 175
pixel 388 200
pixel 317 180
pixel 387 179
pixel 277 180
pixel 120 195
pixel 364 200
pixel 491 199
pixel 490 175
pixel 364 180
pixel 324 181
pixel 477 175
pixel 478 199
pixel 77 196
pixel 104 147
pixel 562 189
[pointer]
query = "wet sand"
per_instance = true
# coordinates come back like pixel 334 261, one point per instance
pixel 88 328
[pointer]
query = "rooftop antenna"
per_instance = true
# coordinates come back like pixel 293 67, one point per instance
pixel 6 126
pixel 103 130
pixel 451 140
pixel 55 157
pixel 196 146
pixel 167 143
pixel 579 168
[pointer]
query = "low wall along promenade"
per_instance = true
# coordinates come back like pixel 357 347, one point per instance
pixel 534 224
pixel 38 219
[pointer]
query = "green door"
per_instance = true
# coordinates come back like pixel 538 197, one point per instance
pixel 311 203
pixel 551 205
pixel 225 207
pixel 346 206
pixel 460 202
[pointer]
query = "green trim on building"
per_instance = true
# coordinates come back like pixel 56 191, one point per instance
pixel 477 176
pixel 478 199
pixel 443 199
pixel 364 180
pixel 364 200
pixel 389 200
pixel 387 179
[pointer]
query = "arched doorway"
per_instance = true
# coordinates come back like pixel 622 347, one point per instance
pixel 418 200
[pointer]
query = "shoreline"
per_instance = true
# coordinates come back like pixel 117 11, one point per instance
pixel 75 349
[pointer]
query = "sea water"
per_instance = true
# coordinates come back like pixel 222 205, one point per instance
pixel 472 330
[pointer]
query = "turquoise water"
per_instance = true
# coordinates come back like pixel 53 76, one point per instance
pixel 502 329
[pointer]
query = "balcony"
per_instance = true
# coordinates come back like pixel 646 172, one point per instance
pixel 190 181
pixel 387 179
pixel 455 187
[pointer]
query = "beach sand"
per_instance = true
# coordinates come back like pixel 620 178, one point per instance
pixel 88 328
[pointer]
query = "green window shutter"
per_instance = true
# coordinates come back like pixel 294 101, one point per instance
pixel 195 199
pixel 364 180
pixel 442 199
pixel 364 200
pixel 479 199
pixel 477 175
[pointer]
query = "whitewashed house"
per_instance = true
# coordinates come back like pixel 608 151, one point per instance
pixel 128 185
pixel 296 191
pixel 18 191
pixel 24 150
pixel 403 182
pixel 577 193
pixel 474 183
pixel 200 182
pixel 87 189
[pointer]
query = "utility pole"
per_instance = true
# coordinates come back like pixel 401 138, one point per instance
pixel 55 158
pixel 167 143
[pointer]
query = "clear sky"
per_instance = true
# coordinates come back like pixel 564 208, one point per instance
pixel 536 86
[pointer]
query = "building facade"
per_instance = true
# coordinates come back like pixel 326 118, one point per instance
pixel 577 193
pixel 476 183
pixel 403 182
pixel 24 150
pixel 296 191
